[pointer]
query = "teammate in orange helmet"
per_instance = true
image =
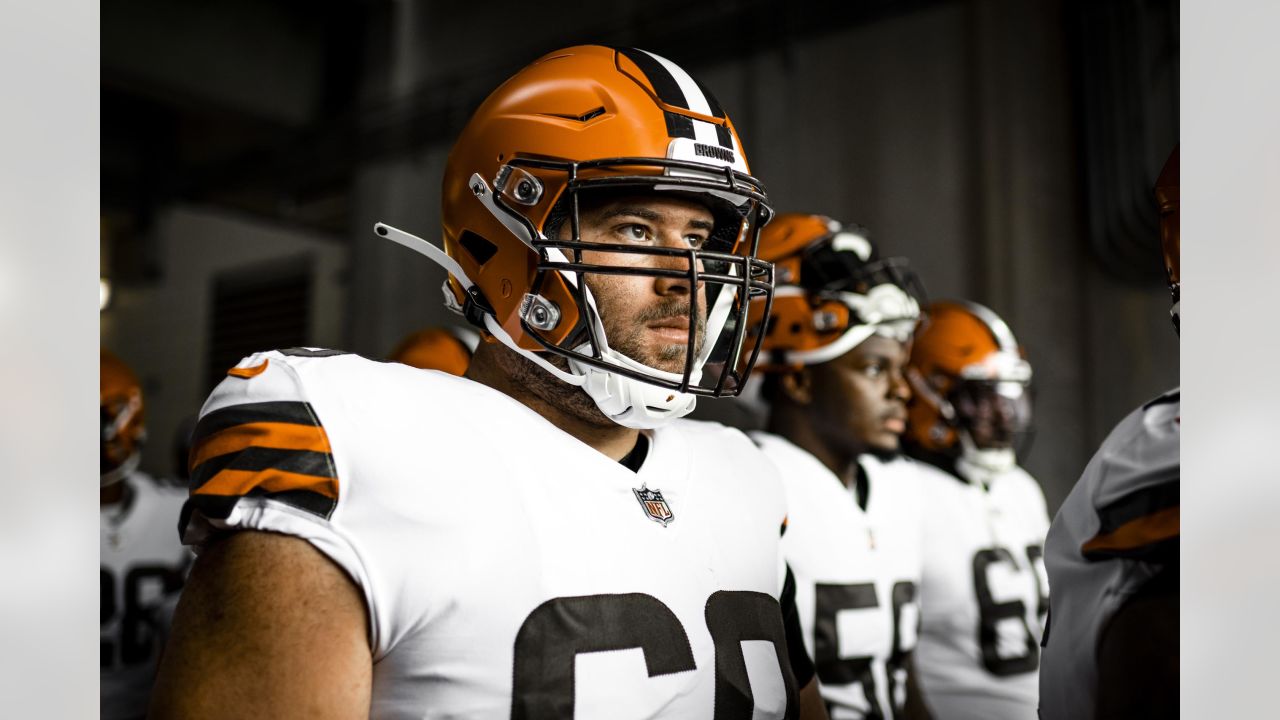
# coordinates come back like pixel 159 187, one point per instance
pixel 983 594
pixel 836 344
pixel 142 564
pixel 544 536
pixel 438 348
pixel 1111 646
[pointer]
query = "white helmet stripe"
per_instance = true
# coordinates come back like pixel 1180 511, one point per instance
pixel 698 102
pixel 999 328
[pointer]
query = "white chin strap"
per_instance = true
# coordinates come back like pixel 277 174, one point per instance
pixel 624 400
pixel 111 477
pixel 978 464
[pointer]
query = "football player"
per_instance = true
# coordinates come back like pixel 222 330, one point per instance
pixel 447 349
pixel 1110 649
pixel 836 344
pixel 544 537
pixel 143 563
pixel 983 593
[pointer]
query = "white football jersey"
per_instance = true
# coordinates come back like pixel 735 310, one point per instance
pixel 983 594
pixel 855 579
pixel 143 566
pixel 1108 539
pixel 509 570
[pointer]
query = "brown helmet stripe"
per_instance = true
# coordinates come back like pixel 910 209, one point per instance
pixel 722 131
pixel 663 82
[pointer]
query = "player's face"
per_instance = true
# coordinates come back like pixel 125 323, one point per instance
pixel 992 411
pixel 646 318
pixel 862 395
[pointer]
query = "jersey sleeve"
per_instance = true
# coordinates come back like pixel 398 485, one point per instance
pixel 261 459
pixel 1137 498
pixel 258 438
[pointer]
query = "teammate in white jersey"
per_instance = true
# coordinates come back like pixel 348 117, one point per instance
pixel 143 563
pixel 836 343
pixel 1111 644
pixel 542 537
pixel 983 594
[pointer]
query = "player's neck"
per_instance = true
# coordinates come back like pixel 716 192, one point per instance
pixel 797 426
pixel 610 439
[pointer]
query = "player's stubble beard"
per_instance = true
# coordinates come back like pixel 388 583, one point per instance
pixel 625 336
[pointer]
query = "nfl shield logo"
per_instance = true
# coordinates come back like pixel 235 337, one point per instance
pixel 654 505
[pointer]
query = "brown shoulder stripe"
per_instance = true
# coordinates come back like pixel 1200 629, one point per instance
pixel 274 449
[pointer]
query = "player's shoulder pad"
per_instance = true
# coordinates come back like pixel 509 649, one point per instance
pixel 259 435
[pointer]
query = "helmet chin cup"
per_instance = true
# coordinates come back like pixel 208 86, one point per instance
pixel 983 463
pixel 632 403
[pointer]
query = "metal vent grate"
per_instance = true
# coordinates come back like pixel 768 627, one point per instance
pixel 257 308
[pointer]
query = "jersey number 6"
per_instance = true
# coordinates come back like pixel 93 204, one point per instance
pixel 559 629
pixel 991 613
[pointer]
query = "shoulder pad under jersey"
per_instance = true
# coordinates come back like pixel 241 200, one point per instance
pixel 258 435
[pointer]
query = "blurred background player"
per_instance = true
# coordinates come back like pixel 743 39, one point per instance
pixel 1111 646
pixel 835 348
pixel 983 593
pixel 447 349
pixel 142 561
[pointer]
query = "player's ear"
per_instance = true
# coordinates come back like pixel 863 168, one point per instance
pixel 797 385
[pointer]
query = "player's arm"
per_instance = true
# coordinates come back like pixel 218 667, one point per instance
pixel 267 627
pixel 811 705
pixel 1138 653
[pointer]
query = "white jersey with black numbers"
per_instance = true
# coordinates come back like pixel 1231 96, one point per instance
pixel 509 570
pixel 143 565
pixel 1113 534
pixel 894 515
pixel 854 584
pixel 983 595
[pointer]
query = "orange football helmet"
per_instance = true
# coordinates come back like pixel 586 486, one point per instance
pixel 970 382
pixel 575 123
pixel 1170 231
pixel 832 291
pixel 445 349
pixel 123 430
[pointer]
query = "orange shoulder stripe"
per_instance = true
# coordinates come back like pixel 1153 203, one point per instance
pixel 248 372
pixel 240 482
pixel 1146 530
pixel 281 436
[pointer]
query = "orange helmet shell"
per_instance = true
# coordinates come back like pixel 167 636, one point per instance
pixel 434 349
pixel 574 105
pixel 120 402
pixel 805 325
pixel 956 341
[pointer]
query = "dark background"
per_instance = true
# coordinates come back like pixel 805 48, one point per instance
pixel 1006 147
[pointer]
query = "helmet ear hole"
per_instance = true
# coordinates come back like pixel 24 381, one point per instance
pixel 477 247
